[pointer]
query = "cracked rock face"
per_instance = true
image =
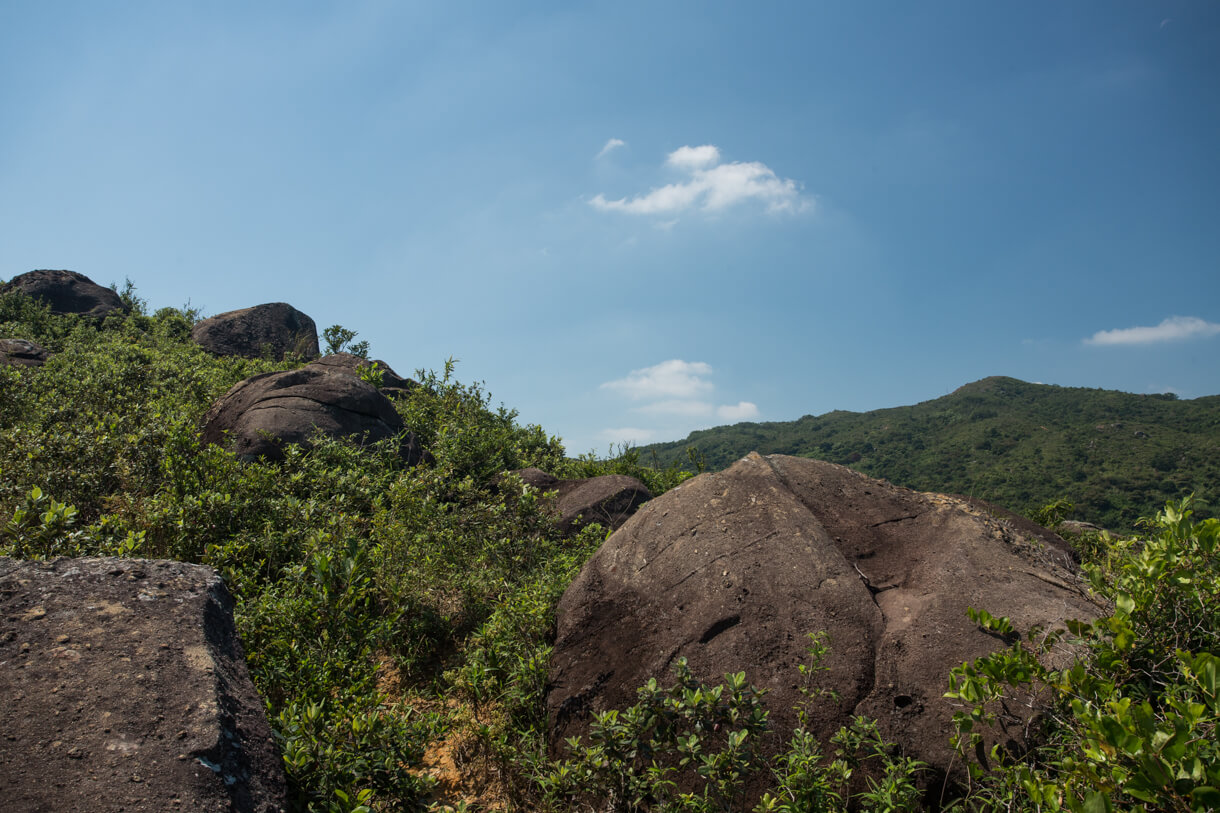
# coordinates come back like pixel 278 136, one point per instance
pixel 276 329
pixel 125 688
pixel 66 292
pixel 732 570
pixel 261 414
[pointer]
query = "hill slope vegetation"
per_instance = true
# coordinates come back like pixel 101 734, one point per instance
pixel 399 620
pixel 1115 455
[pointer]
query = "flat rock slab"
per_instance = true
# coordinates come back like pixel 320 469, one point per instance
pixel 125 688
pixel 733 570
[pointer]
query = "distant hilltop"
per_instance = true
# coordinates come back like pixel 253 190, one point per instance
pixel 1116 456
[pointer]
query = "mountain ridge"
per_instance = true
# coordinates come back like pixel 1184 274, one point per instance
pixel 1116 456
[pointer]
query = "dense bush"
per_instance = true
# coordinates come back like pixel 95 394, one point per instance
pixel 1133 724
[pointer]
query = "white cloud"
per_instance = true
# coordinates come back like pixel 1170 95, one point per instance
pixel 629 435
pixel 611 145
pixel 688 409
pixel 692 158
pixel 711 187
pixel 677 397
pixel 744 411
pixel 669 379
pixel 1175 328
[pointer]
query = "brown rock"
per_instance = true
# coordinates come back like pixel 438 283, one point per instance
pixel 66 292
pixel 125 688
pixel 22 353
pixel 261 414
pixel 276 328
pixel 608 500
pixel 732 570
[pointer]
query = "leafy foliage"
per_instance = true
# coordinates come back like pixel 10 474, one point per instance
pixel 351 572
pixel 694 747
pixel 341 340
pixel 1134 725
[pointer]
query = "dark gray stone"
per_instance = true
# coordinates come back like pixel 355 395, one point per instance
pixel 733 570
pixel 276 329
pixel 392 384
pixel 608 500
pixel 261 414
pixel 66 292
pixel 125 688
pixel 22 353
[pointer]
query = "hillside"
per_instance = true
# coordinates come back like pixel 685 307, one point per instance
pixel 1115 455
pixel 400 620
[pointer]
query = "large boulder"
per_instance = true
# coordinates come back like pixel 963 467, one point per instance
pixel 261 414
pixel 22 353
pixel 66 292
pixel 274 329
pixel 608 500
pixel 733 570
pixel 392 384
pixel 125 688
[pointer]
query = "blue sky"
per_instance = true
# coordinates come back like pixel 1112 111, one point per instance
pixel 631 220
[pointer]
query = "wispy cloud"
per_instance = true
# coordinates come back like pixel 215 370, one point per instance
pixel 693 158
pixel 677 396
pixel 610 146
pixel 1175 328
pixel 711 186
pixel 669 379
pixel 688 409
pixel 628 434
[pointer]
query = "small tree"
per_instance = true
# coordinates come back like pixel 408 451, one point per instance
pixel 339 340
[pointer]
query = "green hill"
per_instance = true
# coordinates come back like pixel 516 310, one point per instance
pixel 1115 455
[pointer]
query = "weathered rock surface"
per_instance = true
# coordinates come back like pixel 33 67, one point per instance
pixel 125 688
pixel 732 570
pixel 392 384
pixel 276 328
pixel 66 292
pixel 22 353
pixel 258 416
pixel 608 500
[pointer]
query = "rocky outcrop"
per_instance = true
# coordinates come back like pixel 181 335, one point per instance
pixel 392 384
pixel 22 353
pixel 66 292
pixel 125 688
pixel 274 329
pixel 608 500
pixel 258 416
pixel 732 570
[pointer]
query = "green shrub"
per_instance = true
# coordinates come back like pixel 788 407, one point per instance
pixel 1132 725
